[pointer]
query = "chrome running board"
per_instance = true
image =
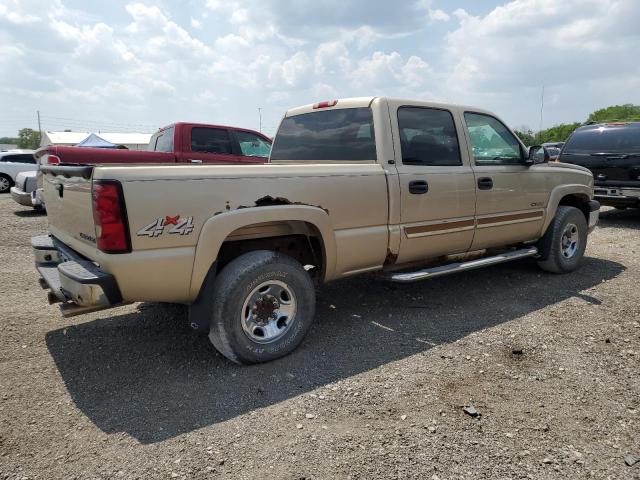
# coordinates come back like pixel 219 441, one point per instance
pixel 463 266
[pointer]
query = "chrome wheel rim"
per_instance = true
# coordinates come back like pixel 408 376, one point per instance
pixel 268 312
pixel 570 241
pixel 4 184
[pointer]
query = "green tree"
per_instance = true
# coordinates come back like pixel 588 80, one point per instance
pixel 557 133
pixel 620 113
pixel 28 138
pixel 527 136
pixel 9 140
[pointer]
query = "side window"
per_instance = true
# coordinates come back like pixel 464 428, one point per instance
pixel 210 140
pixel 492 142
pixel 19 159
pixel 252 145
pixel 428 137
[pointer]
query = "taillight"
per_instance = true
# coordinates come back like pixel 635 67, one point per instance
pixel 110 217
pixel 330 103
pixel 48 159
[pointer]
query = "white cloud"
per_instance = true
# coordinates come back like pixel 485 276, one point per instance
pixel 390 70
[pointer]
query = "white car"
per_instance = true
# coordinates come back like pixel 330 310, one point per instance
pixel 12 162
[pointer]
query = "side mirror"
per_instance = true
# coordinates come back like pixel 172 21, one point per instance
pixel 537 154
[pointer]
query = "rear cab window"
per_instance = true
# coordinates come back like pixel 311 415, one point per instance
pixel 162 141
pixel 606 139
pixel 328 135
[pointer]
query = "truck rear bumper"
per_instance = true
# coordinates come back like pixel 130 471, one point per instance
pixel 74 282
pixel 21 197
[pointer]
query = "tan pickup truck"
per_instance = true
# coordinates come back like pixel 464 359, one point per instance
pixel 409 189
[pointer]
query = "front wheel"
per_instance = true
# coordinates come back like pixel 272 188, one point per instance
pixel 263 306
pixel 562 246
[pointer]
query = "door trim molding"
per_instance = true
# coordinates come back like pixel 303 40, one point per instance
pixel 461 224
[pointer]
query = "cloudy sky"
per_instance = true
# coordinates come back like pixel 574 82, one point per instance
pixel 134 66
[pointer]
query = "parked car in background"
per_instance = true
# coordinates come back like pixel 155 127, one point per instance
pixel 12 162
pixel 612 152
pixel 553 149
pixel 23 192
pixel 177 143
pixel 181 142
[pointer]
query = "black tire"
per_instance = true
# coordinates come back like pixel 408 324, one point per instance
pixel 6 184
pixel 553 256
pixel 233 287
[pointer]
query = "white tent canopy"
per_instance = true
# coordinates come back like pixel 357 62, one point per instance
pixel 133 141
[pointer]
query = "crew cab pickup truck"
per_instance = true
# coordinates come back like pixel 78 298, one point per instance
pixel 409 189
pixel 192 143
pixel 177 143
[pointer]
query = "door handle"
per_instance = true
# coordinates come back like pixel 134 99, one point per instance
pixel 192 160
pixel 485 183
pixel 418 187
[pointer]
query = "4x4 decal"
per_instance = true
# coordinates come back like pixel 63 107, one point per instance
pixel 180 226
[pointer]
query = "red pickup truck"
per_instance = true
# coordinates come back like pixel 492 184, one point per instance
pixel 177 143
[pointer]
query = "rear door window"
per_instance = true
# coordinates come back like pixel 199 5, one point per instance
pixel 428 137
pixel 210 140
pixel 335 135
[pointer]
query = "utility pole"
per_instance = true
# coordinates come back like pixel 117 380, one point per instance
pixel 260 115
pixel 541 112
pixel 39 127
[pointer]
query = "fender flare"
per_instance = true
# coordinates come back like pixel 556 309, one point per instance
pixel 558 193
pixel 217 228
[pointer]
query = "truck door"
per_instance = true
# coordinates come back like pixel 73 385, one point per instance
pixel 210 145
pixel 511 195
pixel 437 187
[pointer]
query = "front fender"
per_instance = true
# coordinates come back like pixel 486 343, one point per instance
pixel 216 230
pixel 561 191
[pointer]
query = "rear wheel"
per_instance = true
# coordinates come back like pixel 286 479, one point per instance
pixel 562 246
pixel 5 183
pixel 262 307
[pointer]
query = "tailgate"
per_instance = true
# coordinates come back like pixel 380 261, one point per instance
pixel 67 193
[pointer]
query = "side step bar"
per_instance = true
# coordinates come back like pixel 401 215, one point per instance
pixel 463 266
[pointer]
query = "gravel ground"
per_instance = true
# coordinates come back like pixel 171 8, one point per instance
pixel 377 390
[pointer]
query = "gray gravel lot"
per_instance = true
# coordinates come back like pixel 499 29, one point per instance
pixel 377 389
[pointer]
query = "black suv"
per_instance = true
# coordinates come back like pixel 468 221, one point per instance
pixel 612 152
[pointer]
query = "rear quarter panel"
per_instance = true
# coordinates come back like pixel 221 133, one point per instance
pixel 352 196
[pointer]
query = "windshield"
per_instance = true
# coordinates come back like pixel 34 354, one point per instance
pixel 339 135
pixel 162 141
pixel 604 140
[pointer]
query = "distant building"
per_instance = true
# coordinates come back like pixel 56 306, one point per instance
pixel 133 141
